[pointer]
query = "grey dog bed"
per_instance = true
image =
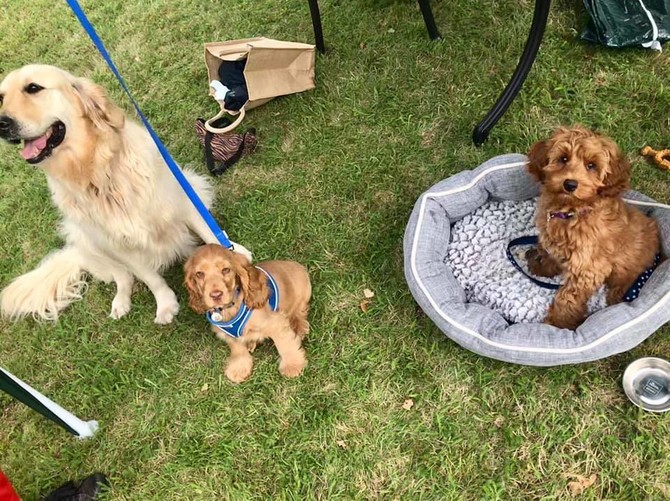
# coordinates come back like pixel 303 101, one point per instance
pixel 481 329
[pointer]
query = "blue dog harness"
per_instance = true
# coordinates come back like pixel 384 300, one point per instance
pixel 235 326
pixel 631 294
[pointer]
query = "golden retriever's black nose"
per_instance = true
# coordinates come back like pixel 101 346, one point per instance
pixel 5 124
pixel 570 185
pixel 216 295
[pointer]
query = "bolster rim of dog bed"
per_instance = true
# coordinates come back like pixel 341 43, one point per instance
pixel 477 328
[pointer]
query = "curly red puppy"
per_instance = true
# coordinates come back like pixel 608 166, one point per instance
pixel 227 287
pixel 586 230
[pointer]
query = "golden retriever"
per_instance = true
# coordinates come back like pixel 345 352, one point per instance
pixel 220 283
pixel 586 230
pixel 123 213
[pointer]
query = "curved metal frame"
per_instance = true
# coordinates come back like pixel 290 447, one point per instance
pixel 426 12
pixel 540 16
pixel 481 132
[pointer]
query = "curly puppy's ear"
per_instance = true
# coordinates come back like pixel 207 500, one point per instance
pixel 537 159
pixel 97 106
pixel 252 281
pixel 194 294
pixel 617 174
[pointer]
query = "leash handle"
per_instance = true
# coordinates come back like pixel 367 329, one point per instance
pixel 529 240
pixel 174 168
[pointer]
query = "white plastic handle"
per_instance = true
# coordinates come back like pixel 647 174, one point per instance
pixel 227 128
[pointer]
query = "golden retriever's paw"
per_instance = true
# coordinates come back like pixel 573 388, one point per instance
pixel 239 370
pixel 292 368
pixel 241 249
pixel 165 314
pixel 120 307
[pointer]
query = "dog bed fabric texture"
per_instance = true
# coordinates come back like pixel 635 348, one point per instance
pixel 481 329
pixel 477 256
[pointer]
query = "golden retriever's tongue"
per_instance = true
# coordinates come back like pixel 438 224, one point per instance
pixel 33 147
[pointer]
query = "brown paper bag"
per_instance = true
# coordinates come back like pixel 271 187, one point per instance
pixel 273 68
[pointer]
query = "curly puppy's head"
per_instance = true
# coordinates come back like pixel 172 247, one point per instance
pixel 579 163
pixel 217 277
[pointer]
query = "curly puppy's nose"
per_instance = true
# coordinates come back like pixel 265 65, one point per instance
pixel 216 294
pixel 570 185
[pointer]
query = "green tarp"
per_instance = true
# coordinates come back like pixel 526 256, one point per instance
pixel 622 23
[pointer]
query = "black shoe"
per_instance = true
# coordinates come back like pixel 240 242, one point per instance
pixel 86 490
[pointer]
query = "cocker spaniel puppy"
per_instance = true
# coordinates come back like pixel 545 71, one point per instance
pixel 586 231
pixel 246 304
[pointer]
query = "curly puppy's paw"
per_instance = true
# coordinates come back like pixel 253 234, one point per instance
pixel 562 321
pixel 542 264
pixel 615 296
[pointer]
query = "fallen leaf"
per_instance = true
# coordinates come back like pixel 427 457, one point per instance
pixel 364 306
pixel 368 293
pixel 204 388
pixel 580 483
pixel 362 45
pixel 342 444
pixel 408 404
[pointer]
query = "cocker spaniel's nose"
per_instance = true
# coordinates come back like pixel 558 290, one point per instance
pixel 216 294
pixel 570 185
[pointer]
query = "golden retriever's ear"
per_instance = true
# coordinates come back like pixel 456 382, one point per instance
pixel 537 159
pixel 194 295
pixel 97 105
pixel 252 281
pixel 618 171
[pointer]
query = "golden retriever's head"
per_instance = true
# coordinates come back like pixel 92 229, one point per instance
pixel 579 163
pixel 216 277
pixel 43 106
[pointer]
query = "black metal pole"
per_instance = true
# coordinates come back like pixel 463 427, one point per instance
pixel 540 16
pixel 428 18
pixel 316 24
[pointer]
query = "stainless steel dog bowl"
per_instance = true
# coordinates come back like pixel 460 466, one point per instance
pixel 646 382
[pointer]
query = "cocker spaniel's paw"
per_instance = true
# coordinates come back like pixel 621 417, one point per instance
pixel 293 366
pixel 239 369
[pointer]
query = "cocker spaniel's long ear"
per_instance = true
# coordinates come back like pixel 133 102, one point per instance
pixel 537 159
pixel 252 281
pixel 194 294
pixel 618 171
pixel 97 106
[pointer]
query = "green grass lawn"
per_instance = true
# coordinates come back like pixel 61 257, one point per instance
pixel 332 185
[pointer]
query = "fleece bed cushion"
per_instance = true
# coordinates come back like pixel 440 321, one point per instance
pixel 480 328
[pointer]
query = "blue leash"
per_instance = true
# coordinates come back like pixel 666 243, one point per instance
pixel 631 294
pixel 176 171
pixel 529 240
